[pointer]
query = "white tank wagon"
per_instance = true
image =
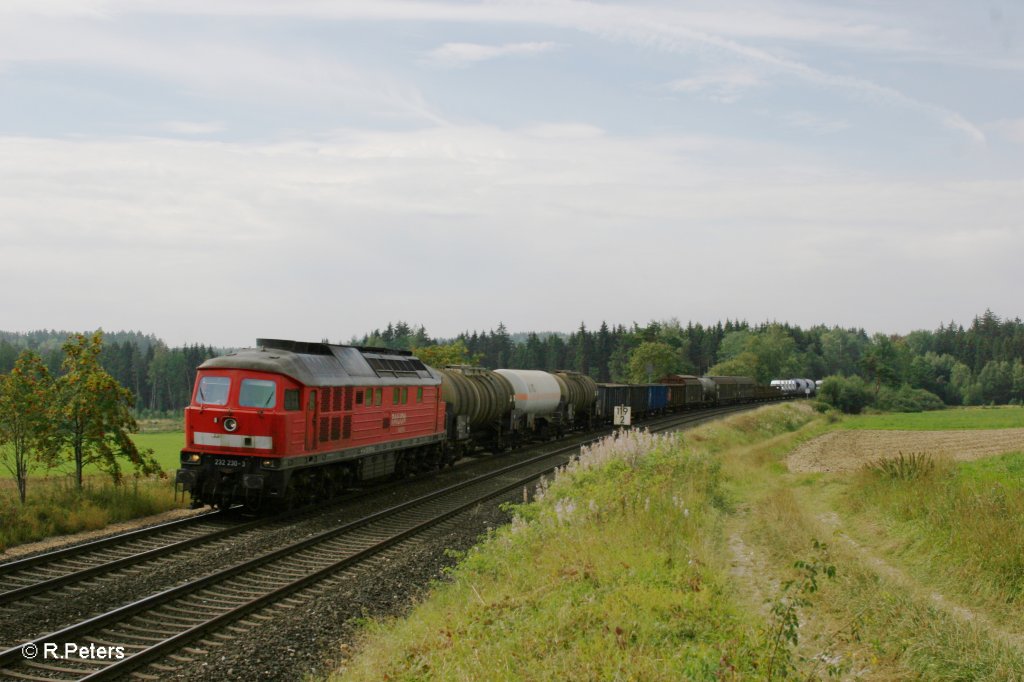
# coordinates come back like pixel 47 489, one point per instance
pixel 787 386
pixel 710 389
pixel 534 392
pixel 805 387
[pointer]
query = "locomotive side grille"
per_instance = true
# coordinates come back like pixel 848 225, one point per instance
pixel 325 428
pixel 325 399
pixel 348 400
pixel 335 428
pixel 346 430
pixel 336 400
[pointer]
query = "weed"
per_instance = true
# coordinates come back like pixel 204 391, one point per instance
pixel 909 467
pixel 784 629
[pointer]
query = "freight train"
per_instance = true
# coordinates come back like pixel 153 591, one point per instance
pixel 289 422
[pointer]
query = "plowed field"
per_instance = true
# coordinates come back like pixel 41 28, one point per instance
pixel 849 450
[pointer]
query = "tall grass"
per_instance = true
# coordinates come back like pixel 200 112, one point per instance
pixel 963 516
pixel 617 570
pixel 57 507
pixel 867 622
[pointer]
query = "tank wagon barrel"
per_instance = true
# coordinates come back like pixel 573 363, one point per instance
pixel 578 390
pixel 479 394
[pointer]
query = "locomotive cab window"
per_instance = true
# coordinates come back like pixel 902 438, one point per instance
pixel 380 396
pixel 359 397
pixel 419 394
pixel 257 393
pixel 213 391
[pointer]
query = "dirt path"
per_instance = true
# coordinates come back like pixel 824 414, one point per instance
pixel 869 556
pixel 850 450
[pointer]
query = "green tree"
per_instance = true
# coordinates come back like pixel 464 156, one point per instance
pixel 442 355
pixel 881 361
pixel 26 395
pixel 849 394
pixel 652 360
pixel 963 384
pixel 996 381
pixel 733 344
pixel 776 354
pixel 745 364
pixel 93 414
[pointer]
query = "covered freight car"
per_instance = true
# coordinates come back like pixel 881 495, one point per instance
pixel 734 389
pixel 685 390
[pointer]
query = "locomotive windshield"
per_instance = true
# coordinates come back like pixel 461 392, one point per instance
pixel 213 391
pixel 257 393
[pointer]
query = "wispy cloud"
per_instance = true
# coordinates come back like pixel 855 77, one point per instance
pixel 464 54
pixel 192 127
pixel 1012 129
pixel 720 86
pixel 741 32
pixel 815 123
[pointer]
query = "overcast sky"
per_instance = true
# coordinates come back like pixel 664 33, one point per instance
pixel 212 171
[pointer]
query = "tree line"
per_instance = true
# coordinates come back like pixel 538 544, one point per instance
pixel 982 363
pixel 160 378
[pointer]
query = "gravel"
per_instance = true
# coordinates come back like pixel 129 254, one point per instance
pixel 49 612
pixel 312 637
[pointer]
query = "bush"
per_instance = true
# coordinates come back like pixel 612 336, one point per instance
pixel 907 399
pixel 57 507
pixel 849 394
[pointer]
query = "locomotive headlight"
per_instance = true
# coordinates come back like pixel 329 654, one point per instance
pixel 230 424
pixel 193 457
pixel 269 463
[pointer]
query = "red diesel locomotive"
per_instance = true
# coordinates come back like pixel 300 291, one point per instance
pixel 289 421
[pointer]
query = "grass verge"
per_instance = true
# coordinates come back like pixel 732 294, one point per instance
pixel 703 557
pixel 56 507
pixel 617 571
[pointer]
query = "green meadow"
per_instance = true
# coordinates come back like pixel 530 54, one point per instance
pixel 1002 417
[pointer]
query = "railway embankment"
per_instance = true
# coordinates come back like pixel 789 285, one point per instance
pixel 618 570
pixel 705 556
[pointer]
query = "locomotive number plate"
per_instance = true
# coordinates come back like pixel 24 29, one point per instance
pixel 228 463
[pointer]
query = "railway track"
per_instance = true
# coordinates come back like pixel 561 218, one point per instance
pixel 44 575
pixel 150 629
pixel 52 570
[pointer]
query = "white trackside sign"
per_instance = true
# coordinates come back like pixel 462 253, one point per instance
pixel 623 415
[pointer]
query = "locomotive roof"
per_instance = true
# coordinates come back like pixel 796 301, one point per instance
pixel 325 364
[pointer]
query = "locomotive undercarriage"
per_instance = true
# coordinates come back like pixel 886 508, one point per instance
pixel 224 482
